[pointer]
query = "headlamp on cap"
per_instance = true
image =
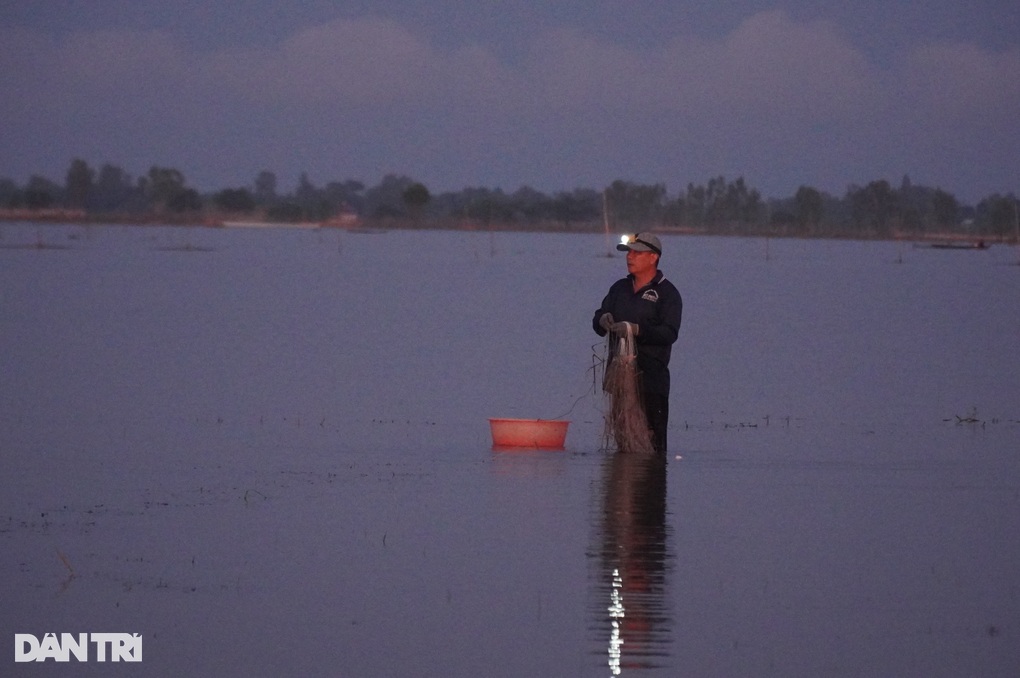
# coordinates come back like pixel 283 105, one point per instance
pixel 640 242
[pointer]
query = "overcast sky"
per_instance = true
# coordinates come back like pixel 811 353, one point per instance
pixel 552 95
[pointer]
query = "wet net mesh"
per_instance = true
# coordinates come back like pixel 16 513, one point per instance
pixel 626 424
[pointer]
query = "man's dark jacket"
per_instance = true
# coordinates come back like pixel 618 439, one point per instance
pixel 656 308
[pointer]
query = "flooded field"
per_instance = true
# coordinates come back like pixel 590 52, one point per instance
pixel 267 453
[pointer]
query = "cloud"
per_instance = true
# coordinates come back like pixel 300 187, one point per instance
pixel 569 69
pixel 772 94
pixel 369 68
pixel 370 61
pixel 958 78
pixel 374 61
pixel 770 62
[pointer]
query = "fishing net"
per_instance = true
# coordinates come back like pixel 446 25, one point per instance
pixel 626 424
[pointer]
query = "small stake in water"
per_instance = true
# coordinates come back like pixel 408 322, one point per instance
pixel 605 224
pixel 1016 226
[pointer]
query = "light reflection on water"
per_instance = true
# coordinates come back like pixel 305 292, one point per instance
pixel 632 613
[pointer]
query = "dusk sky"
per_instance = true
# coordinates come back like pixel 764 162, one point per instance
pixel 553 95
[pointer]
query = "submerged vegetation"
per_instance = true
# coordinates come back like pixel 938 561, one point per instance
pixel 877 209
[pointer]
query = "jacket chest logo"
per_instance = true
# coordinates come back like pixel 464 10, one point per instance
pixel 650 295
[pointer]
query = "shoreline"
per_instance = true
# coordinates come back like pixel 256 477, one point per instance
pixel 62 217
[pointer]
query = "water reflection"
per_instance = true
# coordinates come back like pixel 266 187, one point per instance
pixel 631 616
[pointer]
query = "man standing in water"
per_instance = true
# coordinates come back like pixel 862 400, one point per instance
pixel 649 306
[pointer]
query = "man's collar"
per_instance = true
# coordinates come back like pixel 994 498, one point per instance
pixel 656 279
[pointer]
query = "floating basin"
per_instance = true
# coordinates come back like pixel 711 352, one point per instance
pixel 546 434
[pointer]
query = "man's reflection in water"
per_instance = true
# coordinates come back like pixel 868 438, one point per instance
pixel 633 563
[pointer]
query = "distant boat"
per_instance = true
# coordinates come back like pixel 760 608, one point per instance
pixel 243 224
pixel 979 245
pixel 270 224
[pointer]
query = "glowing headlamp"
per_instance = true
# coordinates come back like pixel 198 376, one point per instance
pixel 627 242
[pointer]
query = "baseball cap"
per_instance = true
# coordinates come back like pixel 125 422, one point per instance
pixel 640 242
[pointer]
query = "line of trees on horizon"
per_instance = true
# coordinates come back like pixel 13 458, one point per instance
pixel 876 209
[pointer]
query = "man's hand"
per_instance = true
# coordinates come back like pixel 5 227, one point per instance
pixel 606 322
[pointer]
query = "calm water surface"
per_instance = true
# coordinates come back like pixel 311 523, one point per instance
pixel 267 452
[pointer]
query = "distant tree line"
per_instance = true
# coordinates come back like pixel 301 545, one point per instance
pixel 877 209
